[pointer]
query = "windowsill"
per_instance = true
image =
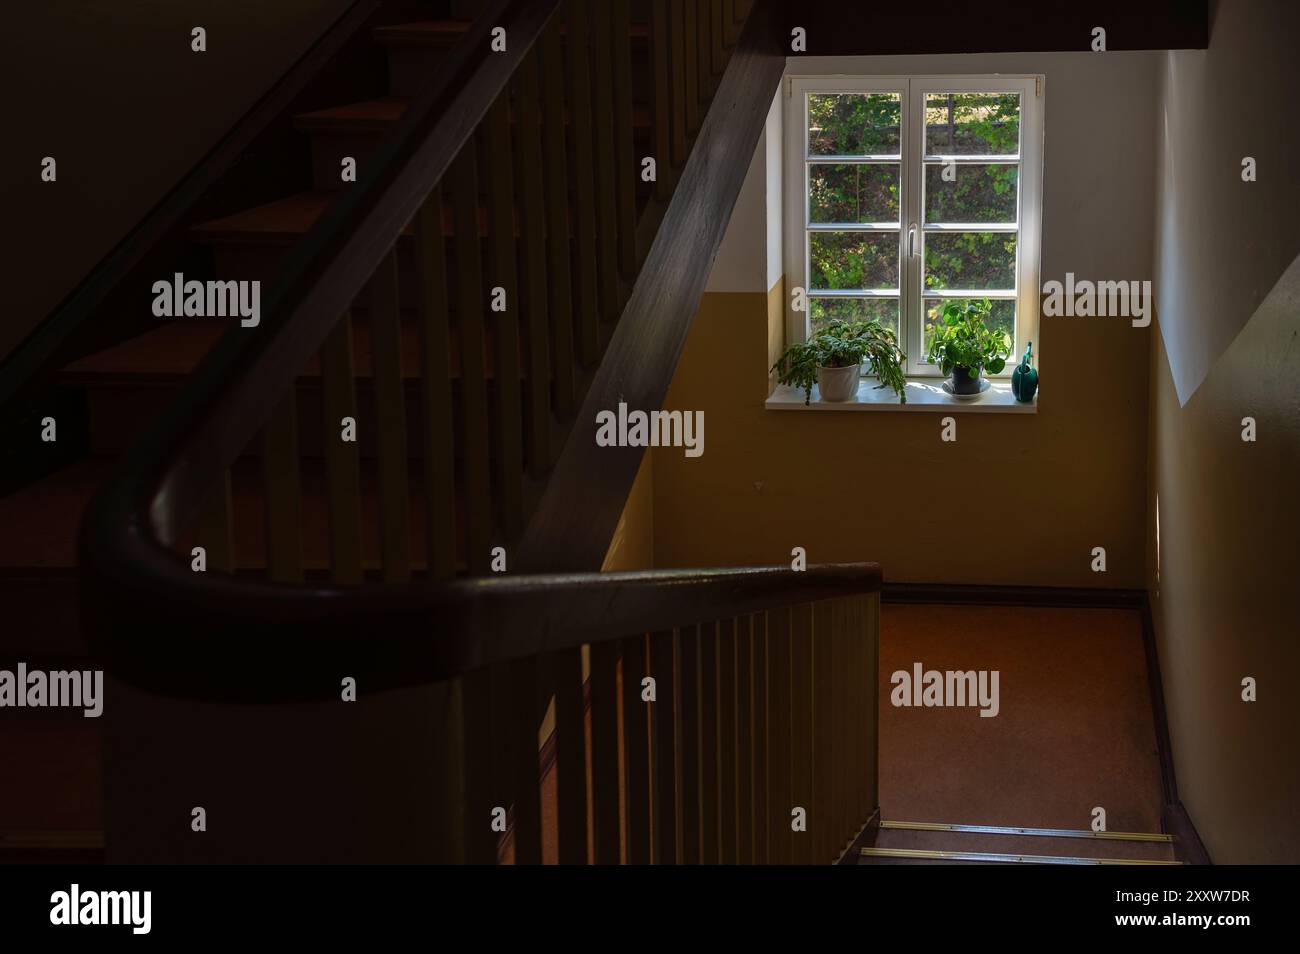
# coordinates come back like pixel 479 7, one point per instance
pixel 923 394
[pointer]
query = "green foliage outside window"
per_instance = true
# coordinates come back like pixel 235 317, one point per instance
pixel 956 124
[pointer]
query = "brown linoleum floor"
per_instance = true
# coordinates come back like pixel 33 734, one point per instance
pixel 1075 729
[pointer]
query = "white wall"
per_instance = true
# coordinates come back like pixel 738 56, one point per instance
pixel 749 259
pixel 1222 243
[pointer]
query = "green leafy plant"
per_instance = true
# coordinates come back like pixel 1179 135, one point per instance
pixel 841 344
pixel 963 339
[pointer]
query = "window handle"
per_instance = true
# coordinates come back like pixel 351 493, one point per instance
pixel 911 241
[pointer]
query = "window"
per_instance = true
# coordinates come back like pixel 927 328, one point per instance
pixel 903 192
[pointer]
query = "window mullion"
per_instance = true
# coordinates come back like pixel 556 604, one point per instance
pixel 913 159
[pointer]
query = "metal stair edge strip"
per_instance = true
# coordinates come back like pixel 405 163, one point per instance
pixel 1030 832
pixel 1005 858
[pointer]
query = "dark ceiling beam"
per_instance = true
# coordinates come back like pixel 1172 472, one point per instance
pixel 836 28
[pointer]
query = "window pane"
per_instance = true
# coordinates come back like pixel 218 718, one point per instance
pixel 823 310
pixel 1002 317
pixel 972 124
pixel 854 192
pixel 854 124
pixel 975 194
pixel 852 260
pixel 984 260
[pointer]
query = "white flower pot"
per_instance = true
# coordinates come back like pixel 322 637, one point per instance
pixel 838 384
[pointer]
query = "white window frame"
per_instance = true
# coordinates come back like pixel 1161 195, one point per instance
pixel 913 90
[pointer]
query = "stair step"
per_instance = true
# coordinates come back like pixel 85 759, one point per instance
pixel 423 33
pixel 170 353
pixel 414 49
pixel 282 222
pixel 40 521
pixel 53 771
pixel 126 385
pixel 899 842
pixel 123 413
pixel 251 245
pixel 379 115
pixel 51 807
pixel 988 857
pixel 448 32
pixel 356 130
pixel 285 221
pixel 366 116
pixel 1031 832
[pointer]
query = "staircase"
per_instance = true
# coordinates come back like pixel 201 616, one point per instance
pixel 517 171
pixel 459 421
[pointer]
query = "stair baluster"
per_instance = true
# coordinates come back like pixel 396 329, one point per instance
pixel 507 445
pixel 604 755
pixel 661 54
pixel 282 492
pixel 581 150
pixel 475 473
pixel 533 287
pixel 709 743
pixel 802 785
pixel 390 422
pixel 342 458
pixel 624 160
pixel 636 751
pixel 611 301
pixel 436 390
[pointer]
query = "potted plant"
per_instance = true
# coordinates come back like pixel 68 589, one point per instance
pixel 833 358
pixel 964 345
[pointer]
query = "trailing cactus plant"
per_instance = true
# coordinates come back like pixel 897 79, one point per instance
pixel 841 344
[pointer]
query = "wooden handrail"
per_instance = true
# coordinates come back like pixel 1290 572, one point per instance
pixel 226 639
pixel 744 730
pixel 23 367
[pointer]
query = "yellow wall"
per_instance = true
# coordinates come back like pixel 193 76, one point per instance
pixel 632 546
pixel 1018 499
pixel 1223 591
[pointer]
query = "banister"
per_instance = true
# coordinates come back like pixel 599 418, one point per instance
pixel 233 390
pixel 201 635
pixel 226 639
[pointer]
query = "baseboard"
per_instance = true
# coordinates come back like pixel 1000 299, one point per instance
pixel 1155 685
pixel 1188 847
pixel 865 838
